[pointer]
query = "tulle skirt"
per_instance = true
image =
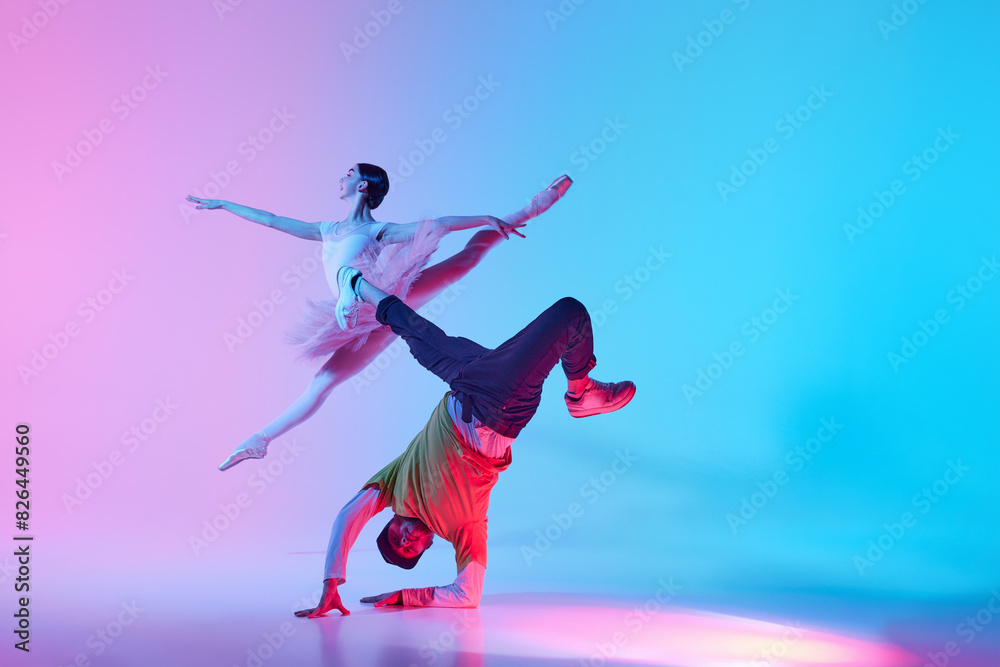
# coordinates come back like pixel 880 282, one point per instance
pixel 392 268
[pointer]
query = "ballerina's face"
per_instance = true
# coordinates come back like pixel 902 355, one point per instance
pixel 350 182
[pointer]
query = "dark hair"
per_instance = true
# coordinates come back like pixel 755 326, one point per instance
pixel 389 554
pixel 378 182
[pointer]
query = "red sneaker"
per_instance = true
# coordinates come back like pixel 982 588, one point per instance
pixel 600 397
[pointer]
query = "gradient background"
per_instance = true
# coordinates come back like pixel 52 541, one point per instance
pixel 562 75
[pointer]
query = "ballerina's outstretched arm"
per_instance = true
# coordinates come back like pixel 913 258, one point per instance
pixel 303 230
pixel 400 233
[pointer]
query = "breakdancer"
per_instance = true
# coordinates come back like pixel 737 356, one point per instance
pixel 441 484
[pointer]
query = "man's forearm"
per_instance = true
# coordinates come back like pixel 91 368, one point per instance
pixel 351 519
pixel 465 592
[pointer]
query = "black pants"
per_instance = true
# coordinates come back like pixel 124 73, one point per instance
pixel 501 387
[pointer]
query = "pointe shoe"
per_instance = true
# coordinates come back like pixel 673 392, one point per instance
pixel 254 447
pixel 600 397
pixel 561 184
pixel 347 314
pixel 543 201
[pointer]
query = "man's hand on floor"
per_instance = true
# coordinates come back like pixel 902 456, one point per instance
pixel 395 597
pixel 329 602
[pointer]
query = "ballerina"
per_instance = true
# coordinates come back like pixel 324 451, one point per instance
pixel 394 255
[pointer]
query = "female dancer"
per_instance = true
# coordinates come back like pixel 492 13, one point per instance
pixel 395 255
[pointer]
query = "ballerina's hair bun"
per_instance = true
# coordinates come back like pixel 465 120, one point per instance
pixel 378 182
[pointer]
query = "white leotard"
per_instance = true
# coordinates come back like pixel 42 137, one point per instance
pixel 343 249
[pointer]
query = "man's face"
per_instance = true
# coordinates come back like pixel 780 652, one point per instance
pixel 408 537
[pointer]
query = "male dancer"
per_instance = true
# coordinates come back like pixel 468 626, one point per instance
pixel 441 484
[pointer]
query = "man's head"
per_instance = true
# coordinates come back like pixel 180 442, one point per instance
pixel 404 540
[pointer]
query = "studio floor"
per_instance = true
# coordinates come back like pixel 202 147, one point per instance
pixel 243 617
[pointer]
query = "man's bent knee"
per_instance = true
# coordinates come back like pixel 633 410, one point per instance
pixel 571 307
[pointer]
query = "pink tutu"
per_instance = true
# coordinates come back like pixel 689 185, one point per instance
pixel 392 268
